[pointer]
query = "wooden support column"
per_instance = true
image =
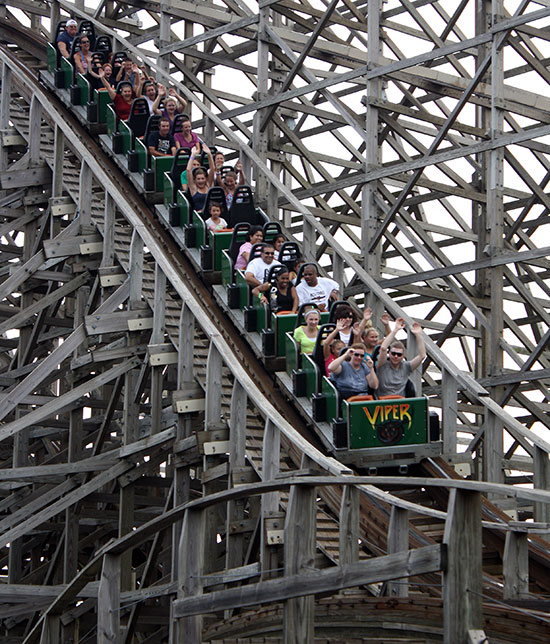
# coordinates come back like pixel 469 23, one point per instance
pixel 54 16
pixel 300 539
pixel 58 162
pixel 338 271
pixel 214 366
pixel 191 557
pixel 541 478
pixel 516 565
pixel 493 440
pixel 398 541
pixel 416 375
pixel 136 269
pixel 370 213
pixel 185 382
pixel 163 61
pixel 85 196
pixel 449 412
pixel 5 100
pixel 349 525
pixel 260 138
pixel 109 219
pixel 35 121
pixel 493 446
pixel 270 502
pixel 462 581
pixel 236 509
pixel 157 337
pixel 108 601
pixel 75 448
pixel 50 630
pixel 131 410
pixel 309 241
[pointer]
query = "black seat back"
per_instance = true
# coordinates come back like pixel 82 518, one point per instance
pixel 152 126
pixel 103 44
pixel 333 307
pixel 236 242
pixel 216 194
pixel 318 354
pixel 181 159
pixel 139 116
pixel 117 61
pixel 86 28
pixel 288 254
pixel 256 251
pixel 61 26
pixel 243 208
pixel 176 123
pixel 271 230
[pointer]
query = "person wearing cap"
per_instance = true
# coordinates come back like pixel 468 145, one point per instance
pixel 66 37
pixel 306 335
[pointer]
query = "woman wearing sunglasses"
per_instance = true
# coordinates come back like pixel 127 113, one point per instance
pixel 83 58
pixel 392 368
pixel 351 375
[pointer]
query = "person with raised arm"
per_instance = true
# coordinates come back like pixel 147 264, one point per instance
pixel 351 375
pixel 392 368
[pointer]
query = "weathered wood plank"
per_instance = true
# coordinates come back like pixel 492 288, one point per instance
pixel 414 562
pixel 462 583
pixel 108 602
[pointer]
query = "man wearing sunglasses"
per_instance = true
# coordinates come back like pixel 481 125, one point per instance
pixel 392 368
pixel 258 269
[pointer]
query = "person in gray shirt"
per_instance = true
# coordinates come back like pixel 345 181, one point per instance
pixel 352 376
pixel 392 369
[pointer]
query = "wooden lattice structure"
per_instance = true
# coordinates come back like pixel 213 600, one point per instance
pixel 154 485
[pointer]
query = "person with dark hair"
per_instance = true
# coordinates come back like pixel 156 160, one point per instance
pixel 149 91
pixel 83 58
pixel 198 179
pixel 122 101
pixel 161 143
pixel 315 289
pixel 392 368
pixel 254 236
pixel 278 241
pixel 65 39
pixel 280 296
pixel 215 221
pixel 351 375
pixel 187 138
pixel 231 180
pixel 258 269
pixel 130 73
pixel 107 70
pixel 345 317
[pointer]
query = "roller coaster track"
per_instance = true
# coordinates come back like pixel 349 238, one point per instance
pixel 106 477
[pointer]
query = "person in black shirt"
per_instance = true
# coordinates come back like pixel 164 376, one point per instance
pixel 281 296
pixel 161 143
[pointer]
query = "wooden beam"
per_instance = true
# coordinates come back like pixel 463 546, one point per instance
pixel 414 562
pixel 108 601
pixel 300 542
pixel 462 584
